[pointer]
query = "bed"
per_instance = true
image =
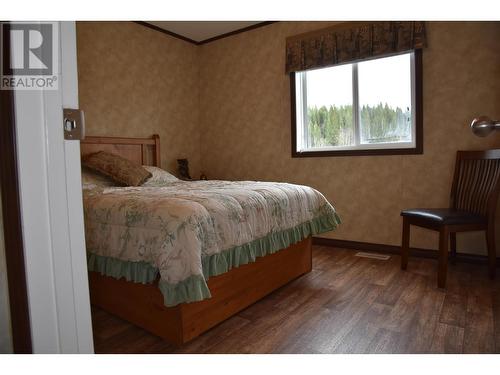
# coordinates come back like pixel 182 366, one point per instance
pixel 179 258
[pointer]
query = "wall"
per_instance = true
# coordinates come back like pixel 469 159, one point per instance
pixel 226 106
pixel 245 122
pixel 134 82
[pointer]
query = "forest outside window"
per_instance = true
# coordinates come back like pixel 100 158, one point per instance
pixel 370 107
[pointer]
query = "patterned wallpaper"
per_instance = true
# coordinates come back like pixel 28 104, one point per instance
pixel 226 106
pixel 134 82
pixel 245 124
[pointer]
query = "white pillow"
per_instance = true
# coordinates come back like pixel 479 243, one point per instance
pixel 160 177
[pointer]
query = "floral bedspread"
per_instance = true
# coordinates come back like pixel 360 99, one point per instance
pixel 189 231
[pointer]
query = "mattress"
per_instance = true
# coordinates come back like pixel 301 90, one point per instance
pixel 187 231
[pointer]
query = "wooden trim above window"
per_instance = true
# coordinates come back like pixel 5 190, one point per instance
pixel 419 127
pixel 352 41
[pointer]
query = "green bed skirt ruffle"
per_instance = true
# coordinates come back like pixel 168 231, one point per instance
pixel 137 272
pixel 195 288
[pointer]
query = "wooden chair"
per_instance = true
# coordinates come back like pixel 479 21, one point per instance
pixel 473 201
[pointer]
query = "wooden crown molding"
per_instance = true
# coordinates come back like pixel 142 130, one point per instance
pixel 205 41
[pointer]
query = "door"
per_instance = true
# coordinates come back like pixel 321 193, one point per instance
pixel 6 345
pixel 51 198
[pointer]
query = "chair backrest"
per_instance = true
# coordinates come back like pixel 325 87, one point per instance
pixel 476 183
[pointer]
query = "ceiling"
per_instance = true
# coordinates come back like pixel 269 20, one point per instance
pixel 202 30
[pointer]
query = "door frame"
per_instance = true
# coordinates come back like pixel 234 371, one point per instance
pixel 12 225
pixel 49 177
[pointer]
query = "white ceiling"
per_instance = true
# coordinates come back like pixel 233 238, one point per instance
pixel 202 30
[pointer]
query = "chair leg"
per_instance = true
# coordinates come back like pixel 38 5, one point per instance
pixel 453 247
pixel 443 256
pixel 492 254
pixel 405 246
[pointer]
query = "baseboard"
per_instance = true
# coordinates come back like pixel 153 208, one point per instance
pixel 391 249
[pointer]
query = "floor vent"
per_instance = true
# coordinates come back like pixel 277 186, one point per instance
pixel 373 255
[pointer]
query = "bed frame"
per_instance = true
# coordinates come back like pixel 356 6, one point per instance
pixel 142 304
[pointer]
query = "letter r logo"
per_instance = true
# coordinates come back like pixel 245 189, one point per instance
pixel 31 49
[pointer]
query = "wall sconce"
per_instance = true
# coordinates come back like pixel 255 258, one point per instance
pixel 483 126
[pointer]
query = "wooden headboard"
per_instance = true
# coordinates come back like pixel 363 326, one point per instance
pixel 145 151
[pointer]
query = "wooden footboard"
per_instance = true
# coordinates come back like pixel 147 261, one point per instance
pixel 142 304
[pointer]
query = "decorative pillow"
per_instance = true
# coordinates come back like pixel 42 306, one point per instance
pixel 90 177
pixel 160 177
pixel 119 169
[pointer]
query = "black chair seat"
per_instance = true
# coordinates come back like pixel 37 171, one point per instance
pixel 445 216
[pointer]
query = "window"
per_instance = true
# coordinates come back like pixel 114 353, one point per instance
pixel 370 107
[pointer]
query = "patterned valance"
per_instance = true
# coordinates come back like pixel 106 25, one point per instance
pixel 352 41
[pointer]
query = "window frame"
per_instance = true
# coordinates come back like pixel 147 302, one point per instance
pixel 418 126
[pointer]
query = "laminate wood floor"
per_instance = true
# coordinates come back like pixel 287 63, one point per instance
pixel 346 304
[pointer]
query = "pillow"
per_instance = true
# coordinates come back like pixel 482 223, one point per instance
pixel 160 177
pixel 90 177
pixel 119 169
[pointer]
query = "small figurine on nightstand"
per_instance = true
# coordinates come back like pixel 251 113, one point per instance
pixel 183 168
